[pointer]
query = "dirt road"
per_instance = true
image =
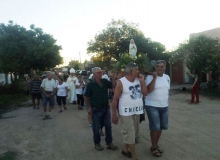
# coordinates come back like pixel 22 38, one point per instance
pixel 193 134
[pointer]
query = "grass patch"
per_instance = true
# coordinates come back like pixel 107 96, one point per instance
pixel 209 93
pixel 8 100
pixel 204 92
pixel 8 155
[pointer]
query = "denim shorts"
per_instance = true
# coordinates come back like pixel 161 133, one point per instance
pixel 158 118
pixel 50 100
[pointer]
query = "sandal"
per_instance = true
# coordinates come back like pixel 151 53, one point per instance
pixel 159 149
pixel 155 152
pixel 112 146
pixel 98 147
pixel 127 154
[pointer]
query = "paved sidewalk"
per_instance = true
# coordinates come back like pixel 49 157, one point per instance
pixel 193 134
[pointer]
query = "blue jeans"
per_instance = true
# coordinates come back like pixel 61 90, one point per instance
pixel 158 118
pixel 100 117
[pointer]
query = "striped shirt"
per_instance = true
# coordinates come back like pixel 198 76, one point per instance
pixel 35 86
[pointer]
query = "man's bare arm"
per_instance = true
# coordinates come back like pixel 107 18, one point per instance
pixel 117 94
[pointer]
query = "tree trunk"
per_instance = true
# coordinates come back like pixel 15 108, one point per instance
pixel 12 80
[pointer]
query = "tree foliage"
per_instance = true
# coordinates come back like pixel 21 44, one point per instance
pixel 74 64
pixel 102 61
pixel 142 61
pixel 113 42
pixel 199 53
pixel 22 50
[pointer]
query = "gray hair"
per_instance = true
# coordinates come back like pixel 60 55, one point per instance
pixel 49 73
pixel 160 61
pixel 95 69
pixel 129 67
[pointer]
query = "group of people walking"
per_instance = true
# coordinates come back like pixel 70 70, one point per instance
pixel 127 105
pixel 133 94
pixel 51 90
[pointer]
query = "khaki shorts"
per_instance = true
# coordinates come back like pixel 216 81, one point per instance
pixel 128 124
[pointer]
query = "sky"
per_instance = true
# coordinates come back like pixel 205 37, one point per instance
pixel 73 23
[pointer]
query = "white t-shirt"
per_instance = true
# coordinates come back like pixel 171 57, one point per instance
pixel 80 89
pixel 48 85
pixel 159 96
pixel 61 89
pixel 105 77
pixel 130 101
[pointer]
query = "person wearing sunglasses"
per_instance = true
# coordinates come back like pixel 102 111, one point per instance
pixel 128 101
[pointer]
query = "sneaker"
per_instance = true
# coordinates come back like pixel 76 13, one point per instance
pixel 112 146
pixel 60 111
pixel 98 147
pixel 49 117
pixel 45 117
pixel 90 125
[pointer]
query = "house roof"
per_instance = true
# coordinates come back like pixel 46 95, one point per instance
pixel 213 33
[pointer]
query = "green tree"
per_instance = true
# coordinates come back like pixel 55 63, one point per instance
pixel 142 61
pixel 74 64
pixel 114 41
pixel 22 50
pixel 102 61
pixel 198 53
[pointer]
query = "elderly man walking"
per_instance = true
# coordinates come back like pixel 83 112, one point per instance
pixel 157 102
pixel 48 88
pixel 96 98
pixel 128 93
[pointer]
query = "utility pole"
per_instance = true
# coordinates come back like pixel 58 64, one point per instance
pixel 80 61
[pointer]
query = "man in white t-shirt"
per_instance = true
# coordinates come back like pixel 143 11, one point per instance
pixel 48 86
pixel 128 93
pixel 156 103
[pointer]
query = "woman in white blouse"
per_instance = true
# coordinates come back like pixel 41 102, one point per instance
pixel 62 91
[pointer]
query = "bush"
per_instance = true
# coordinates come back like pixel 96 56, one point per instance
pixel 11 99
pixel 141 60
pixel 13 88
pixel 212 85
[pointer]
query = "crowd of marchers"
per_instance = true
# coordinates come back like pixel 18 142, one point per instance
pixel 131 94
